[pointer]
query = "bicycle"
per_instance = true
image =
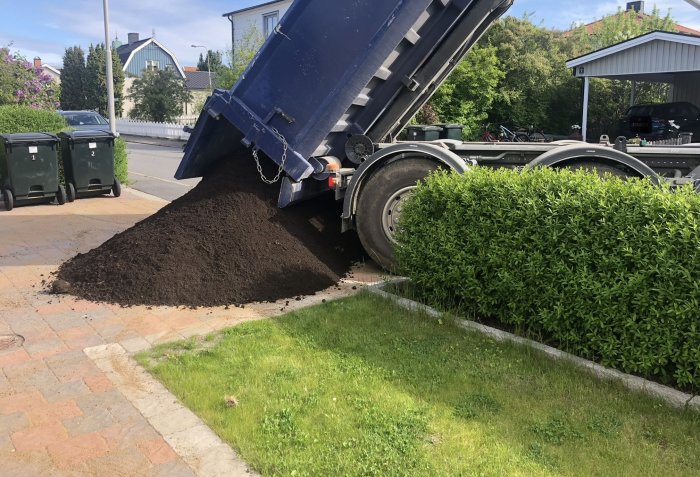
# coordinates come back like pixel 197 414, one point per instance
pixel 504 135
pixel 519 135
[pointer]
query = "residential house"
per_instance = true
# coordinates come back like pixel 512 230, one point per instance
pixel 138 56
pixel 48 70
pixel 253 24
pixel 200 85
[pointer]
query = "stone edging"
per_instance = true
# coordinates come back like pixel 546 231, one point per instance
pixel 197 445
pixel 671 396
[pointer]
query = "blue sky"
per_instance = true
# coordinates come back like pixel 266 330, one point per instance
pixel 46 27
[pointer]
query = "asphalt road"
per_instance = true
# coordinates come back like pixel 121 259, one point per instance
pixel 152 167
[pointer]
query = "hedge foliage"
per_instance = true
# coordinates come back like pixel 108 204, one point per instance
pixel 121 161
pixel 23 119
pixel 606 269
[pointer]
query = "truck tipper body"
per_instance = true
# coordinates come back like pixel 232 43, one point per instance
pixel 331 89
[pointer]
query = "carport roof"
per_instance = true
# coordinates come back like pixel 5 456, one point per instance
pixel 649 57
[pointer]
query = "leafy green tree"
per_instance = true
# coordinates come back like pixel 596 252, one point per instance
pixel 534 67
pixel 119 79
pixel 22 84
pixel 158 96
pixel 215 61
pixel 95 83
pixel 72 78
pixel 468 94
pixel 618 27
pixel 241 55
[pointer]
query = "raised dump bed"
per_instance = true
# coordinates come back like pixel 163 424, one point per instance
pixel 334 78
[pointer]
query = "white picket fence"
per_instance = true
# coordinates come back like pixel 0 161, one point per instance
pixel 149 129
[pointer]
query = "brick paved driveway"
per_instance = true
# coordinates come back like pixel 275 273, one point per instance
pixel 60 414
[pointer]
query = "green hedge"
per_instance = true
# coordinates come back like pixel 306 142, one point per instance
pixel 121 161
pixel 608 270
pixel 22 119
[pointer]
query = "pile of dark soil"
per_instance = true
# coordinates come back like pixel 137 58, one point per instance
pixel 224 243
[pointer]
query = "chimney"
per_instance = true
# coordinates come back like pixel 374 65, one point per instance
pixel 37 62
pixel 636 6
pixel 133 38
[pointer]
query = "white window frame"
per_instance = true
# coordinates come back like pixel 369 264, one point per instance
pixel 152 65
pixel 275 16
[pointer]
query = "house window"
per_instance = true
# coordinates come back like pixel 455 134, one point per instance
pixel 270 21
pixel 170 68
pixel 152 65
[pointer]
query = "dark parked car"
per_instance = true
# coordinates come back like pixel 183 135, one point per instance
pixel 82 120
pixel 661 121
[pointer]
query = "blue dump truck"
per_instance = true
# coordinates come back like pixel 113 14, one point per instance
pixel 335 84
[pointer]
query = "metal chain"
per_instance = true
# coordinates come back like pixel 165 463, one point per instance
pixel 284 159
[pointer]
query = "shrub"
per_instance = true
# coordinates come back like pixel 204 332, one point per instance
pixel 609 270
pixel 23 119
pixel 121 161
pixel 21 83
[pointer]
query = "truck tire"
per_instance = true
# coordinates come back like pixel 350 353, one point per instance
pixel 379 205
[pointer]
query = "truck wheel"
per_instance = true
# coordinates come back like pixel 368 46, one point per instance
pixel 9 199
pixel 116 188
pixel 70 192
pixel 380 202
pixel 61 195
pixel 598 168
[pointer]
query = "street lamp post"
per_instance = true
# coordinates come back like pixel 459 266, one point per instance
pixel 110 75
pixel 206 50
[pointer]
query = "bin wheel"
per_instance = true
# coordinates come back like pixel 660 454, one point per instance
pixel 9 199
pixel 380 202
pixel 61 195
pixel 116 188
pixel 70 192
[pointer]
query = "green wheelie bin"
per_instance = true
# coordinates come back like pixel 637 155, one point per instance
pixel 29 169
pixel 88 163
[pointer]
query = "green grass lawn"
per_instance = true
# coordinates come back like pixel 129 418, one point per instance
pixel 363 387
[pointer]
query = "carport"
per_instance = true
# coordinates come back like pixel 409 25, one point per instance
pixel 660 57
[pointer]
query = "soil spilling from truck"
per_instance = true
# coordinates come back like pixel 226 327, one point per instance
pixel 224 243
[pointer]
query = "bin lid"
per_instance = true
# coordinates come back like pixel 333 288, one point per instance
pixel 85 135
pixel 424 128
pixel 20 138
pixel 450 126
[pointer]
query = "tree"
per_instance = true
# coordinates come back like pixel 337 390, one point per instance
pixel 619 27
pixel 215 61
pixel 467 95
pixel 158 96
pixel 241 56
pixel 534 68
pixel 95 83
pixel 72 78
pixel 21 83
